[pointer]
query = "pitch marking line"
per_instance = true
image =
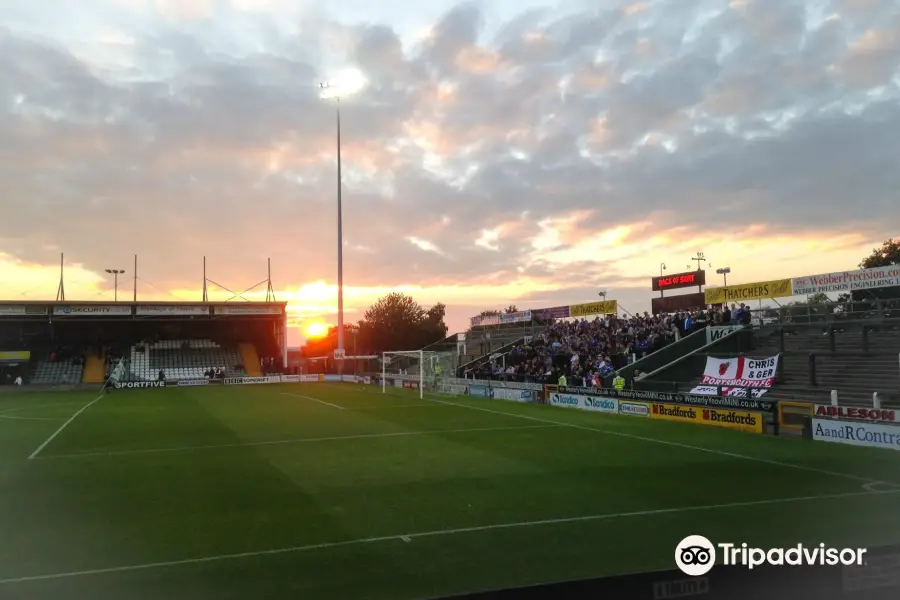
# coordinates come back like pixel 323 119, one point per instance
pixel 62 427
pixel 364 436
pixel 867 480
pixel 27 418
pixel 314 400
pixel 409 537
pixel 31 407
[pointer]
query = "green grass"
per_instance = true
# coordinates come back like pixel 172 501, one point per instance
pixel 162 476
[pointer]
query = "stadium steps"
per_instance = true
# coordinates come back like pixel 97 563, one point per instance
pixel 94 369
pixel 250 358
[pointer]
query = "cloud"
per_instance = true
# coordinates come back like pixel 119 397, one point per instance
pixel 565 149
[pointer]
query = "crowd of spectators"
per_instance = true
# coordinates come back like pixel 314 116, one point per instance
pixel 587 351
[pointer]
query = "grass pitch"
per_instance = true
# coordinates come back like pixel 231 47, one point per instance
pixel 340 491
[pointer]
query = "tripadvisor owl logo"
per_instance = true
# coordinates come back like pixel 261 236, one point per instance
pixel 695 555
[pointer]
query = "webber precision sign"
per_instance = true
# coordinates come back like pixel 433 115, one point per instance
pixel 140 385
pixel 856 413
pixel 735 403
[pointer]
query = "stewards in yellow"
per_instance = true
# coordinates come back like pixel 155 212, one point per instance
pixel 619 383
pixel 562 380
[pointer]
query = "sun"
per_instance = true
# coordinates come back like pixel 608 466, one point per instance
pixel 316 329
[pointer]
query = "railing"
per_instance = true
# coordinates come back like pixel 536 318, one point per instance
pixel 505 349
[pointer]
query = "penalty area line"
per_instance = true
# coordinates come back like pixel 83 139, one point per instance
pixel 62 427
pixel 409 537
pixel 314 400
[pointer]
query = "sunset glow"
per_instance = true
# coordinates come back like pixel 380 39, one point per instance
pixel 316 329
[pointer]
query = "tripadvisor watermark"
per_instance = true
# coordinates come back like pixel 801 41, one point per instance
pixel 695 555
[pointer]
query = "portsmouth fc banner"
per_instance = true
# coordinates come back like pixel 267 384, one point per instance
pixel 736 375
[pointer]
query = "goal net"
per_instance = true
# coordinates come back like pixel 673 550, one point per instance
pixel 421 370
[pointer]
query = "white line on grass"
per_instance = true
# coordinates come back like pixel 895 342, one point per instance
pixel 338 438
pixel 674 444
pixel 27 418
pixel 63 426
pixel 408 537
pixel 314 400
pixel 31 406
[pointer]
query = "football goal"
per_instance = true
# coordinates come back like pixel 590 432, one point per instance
pixel 422 370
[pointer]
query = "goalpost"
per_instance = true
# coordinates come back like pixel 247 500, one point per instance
pixel 420 369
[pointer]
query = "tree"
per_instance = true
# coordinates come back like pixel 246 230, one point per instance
pixel 511 309
pixel 489 313
pixel 886 255
pixel 819 298
pixel 397 322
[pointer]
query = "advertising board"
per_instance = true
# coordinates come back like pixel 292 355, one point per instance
pixel 710 401
pixel 634 409
pixel 92 310
pixel 856 433
pixel 22 309
pixel 729 419
pixel 855 413
pixel 310 378
pixel 592 309
pixel 847 281
pixel 591 403
pixel 139 385
pixel 349 378
pixel 677 281
pixel 170 310
pixel 290 379
pixel 332 378
pixel 252 380
pixel 480 391
pixel 717 332
pixel 241 309
pixel 777 288
pixel 191 382
pixel 514 395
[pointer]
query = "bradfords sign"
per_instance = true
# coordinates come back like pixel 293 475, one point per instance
pixel 870 435
pixel 251 380
pixel 87 310
pixel 140 384
pixel 171 311
pixel 858 413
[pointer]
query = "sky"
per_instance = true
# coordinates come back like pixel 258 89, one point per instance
pixel 504 152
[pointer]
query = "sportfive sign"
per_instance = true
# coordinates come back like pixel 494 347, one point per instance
pixel 140 385
pixel 856 413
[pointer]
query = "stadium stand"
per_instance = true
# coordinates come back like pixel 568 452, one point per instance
pixel 57 370
pixel 182 359
pixel 584 348
pixel 854 358
pixel 63 344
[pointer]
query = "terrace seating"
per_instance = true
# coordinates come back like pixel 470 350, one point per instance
pixel 57 372
pixel 182 359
